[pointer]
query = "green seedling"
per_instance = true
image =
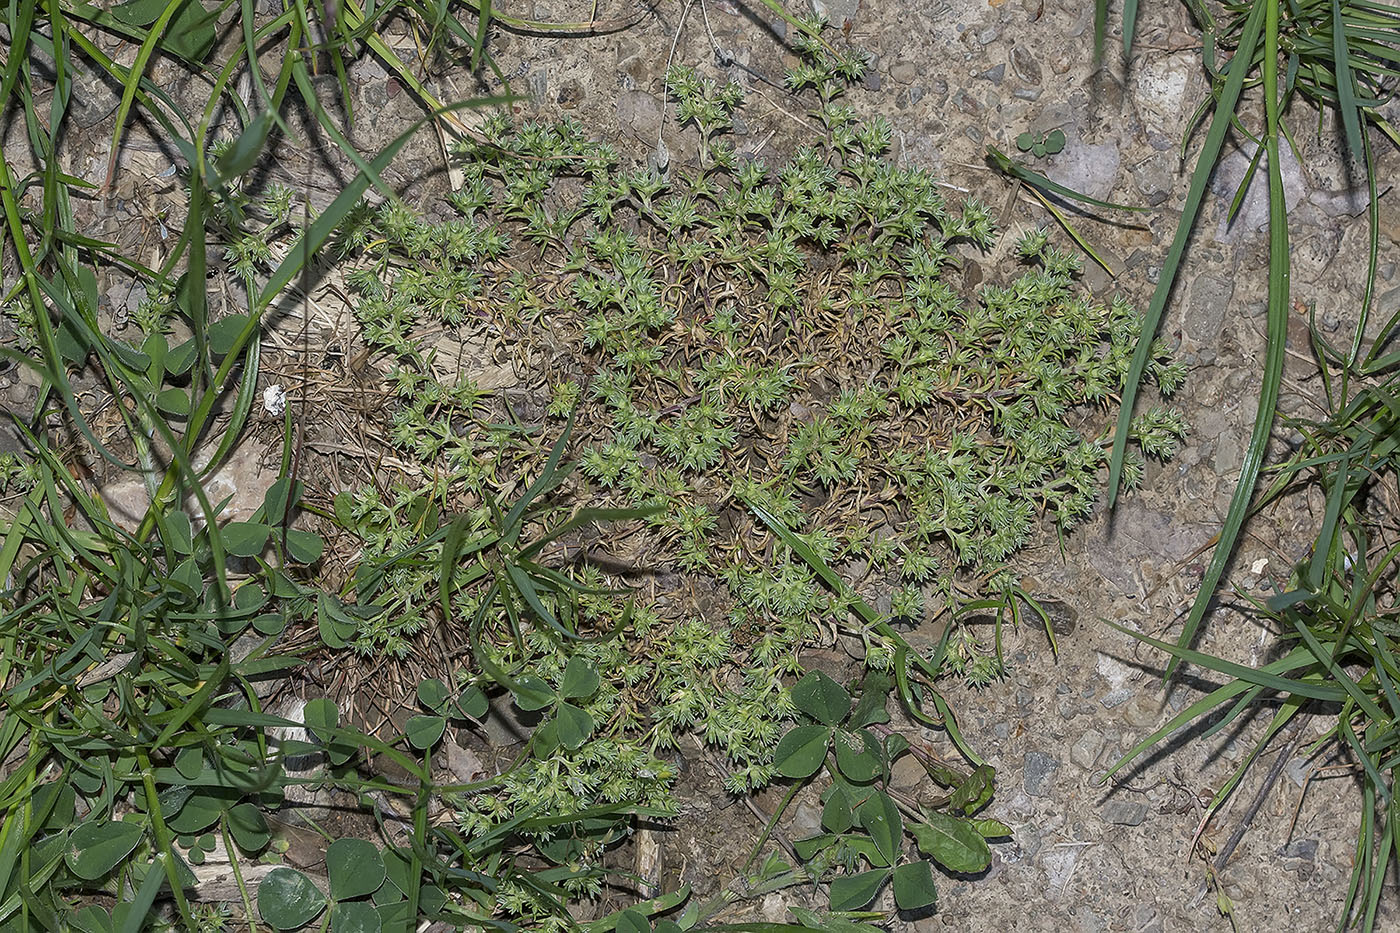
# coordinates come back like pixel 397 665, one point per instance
pixel 1042 144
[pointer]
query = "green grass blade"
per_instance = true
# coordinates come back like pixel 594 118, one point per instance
pixel 1296 659
pixel 1326 538
pixel 1346 95
pixel 1036 180
pixel 549 477
pixel 329 220
pixel 1361 857
pixel 1100 29
pixel 1225 105
pixel 483 27
pixel 149 45
pixel 1243 189
pixel 146 895
pixel 1069 228
pixel 589 516
pixel 1314 687
pixel 1276 337
pixel 1337 675
pixel 904 652
pixel 1249 697
pixel 1281 718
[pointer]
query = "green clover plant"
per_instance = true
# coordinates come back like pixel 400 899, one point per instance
pixel 864 820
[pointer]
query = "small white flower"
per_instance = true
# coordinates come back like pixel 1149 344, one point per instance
pixel 274 399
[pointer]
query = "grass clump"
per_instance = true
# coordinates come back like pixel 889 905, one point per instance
pixel 1338 622
pixel 1335 614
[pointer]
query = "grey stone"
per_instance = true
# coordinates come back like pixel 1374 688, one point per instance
pixel 1117 697
pixel 1253 214
pixel 967 104
pixel 994 74
pixel 1039 773
pixel 909 97
pixel 1025 65
pixel 1305 849
pixel 1144 711
pixel 1297 770
pixel 907 774
pixel 1207 304
pixel 1347 202
pixel 1229 452
pixel 242 482
pixel 1086 920
pixel 1161 86
pixel 315 797
pixel 367 70
pixel 464 763
pixel 1086 749
pixel 1147 919
pixel 806 820
pixel 1125 812
pixel 505 724
pixel 837 12
pixel 1089 168
pixel 639 112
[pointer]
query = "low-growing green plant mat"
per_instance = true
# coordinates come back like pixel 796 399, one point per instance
pixel 792 338
pixel 779 364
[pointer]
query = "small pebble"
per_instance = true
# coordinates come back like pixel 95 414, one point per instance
pixel 1125 812
pixel 1117 697
pixel 1085 752
pixel 1305 849
pixel 1025 66
pixel 994 74
pixel 1039 773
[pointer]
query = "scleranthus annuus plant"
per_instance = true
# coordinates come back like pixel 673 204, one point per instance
pixel 730 336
